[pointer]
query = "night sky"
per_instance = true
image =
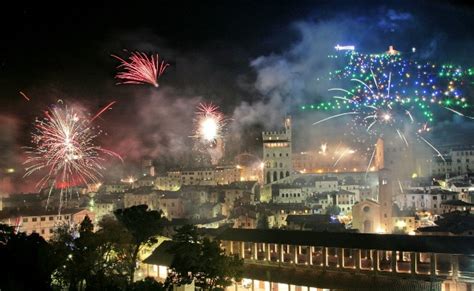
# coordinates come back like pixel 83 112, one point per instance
pixel 220 51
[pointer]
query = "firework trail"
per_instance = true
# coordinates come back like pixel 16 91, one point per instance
pixel 370 162
pixel 458 113
pixel 103 110
pixel 64 148
pixel 24 96
pixel 433 147
pixel 335 116
pixel 347 151
pixel 141 69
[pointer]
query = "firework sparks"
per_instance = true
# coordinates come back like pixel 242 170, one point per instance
pixel 141 69
pixel 64 149
pixel 324 148
pixel 209 122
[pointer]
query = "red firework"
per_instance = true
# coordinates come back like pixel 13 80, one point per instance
pixel 141 69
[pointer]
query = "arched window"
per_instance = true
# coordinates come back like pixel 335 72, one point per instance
pixel 280 154
pixel 281 175
pixel 281 165
pixel 287 173
pixel 275 177
pixel 269 178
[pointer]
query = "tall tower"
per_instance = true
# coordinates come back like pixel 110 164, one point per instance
pixel 394 154
pixel 277 153
pixel 385 200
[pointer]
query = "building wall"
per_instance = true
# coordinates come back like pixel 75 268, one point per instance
pixel 167 183
pixel 46 224
pixel 102 209
pixel 130 200
pixel 458 161
pixel 366 216
pixel 172 207
pixel 289 195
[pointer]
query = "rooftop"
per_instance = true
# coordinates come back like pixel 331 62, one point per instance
pixel 36 212
pixel 436 244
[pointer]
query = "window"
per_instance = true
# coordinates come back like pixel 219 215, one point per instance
pixel 42 231
pixel 50 230
pixel 43 218
pixel 34 219
pixel 51 218
pixel 25 219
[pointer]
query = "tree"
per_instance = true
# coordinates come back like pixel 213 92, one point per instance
pixel 262 222
pixel 147 284
pixel 92 261
pixel 6 233
pixel 186 255
pixel 143 225
pixel 217 269
pixel 22 253
pixel 202 260
pixel 333 210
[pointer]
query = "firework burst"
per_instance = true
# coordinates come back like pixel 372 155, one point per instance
pixel 209 123
pixel 389 92
pixel 141 69
pixel 64 148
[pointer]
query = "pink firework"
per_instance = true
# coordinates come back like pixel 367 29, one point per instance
pixel 141 69
pixel 65 149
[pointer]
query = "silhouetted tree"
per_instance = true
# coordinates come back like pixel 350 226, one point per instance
pixel 262 222
pixel 143 225
pixel 333 210
pixel 147 284
pixel 25 253
pixel 202 260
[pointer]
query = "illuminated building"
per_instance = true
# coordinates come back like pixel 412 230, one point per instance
pixel 218 175
pixel 167 183
pixel 43 222
pixel 366 216
pixel 277 153
pixel 458 160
